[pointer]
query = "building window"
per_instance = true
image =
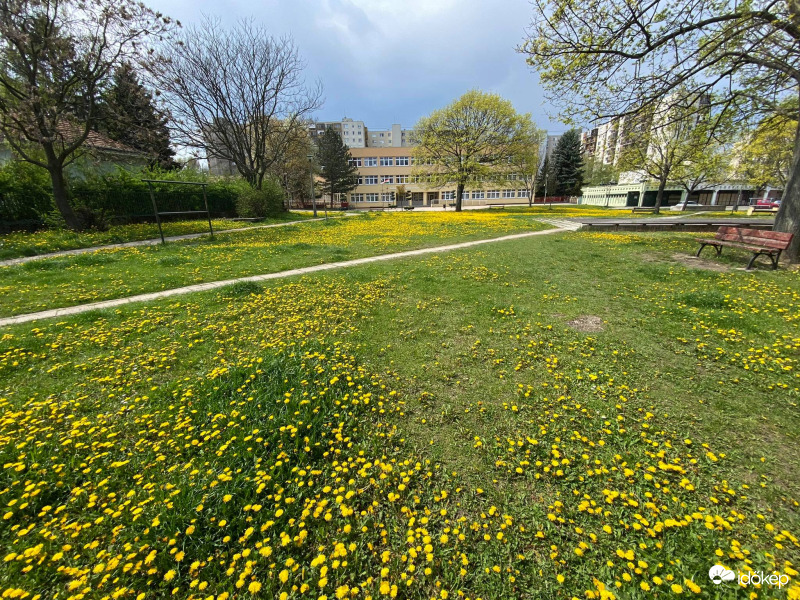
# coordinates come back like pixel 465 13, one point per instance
pixel 371 180
pixel 477 195
pixel 448 195
pixel 387 197
pixel 356 197
pixel 522 193
pixel 387 161
pixel 493 194
pixel 371 161
pixel 381 135
pixel 387 178
pixel 371 197
pixel 360 180
pixel 401 179
pixel 355 161
pixel 509 193
pixel 402 161
pixel 465 195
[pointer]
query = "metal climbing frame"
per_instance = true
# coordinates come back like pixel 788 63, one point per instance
pixel 158 215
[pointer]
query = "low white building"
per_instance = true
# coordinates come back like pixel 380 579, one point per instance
pixel 643 193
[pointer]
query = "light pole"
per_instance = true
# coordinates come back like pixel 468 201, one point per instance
pixel 313 196
pixel 545 190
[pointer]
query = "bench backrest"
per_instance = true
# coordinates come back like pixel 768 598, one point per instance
pixel 778 240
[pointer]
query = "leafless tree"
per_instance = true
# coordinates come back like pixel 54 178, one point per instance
pixel 55 58
pixel 238 94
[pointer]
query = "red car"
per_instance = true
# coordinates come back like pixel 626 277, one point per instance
pixel 768 203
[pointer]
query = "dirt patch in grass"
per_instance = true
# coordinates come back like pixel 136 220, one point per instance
pixel 694 262
pixel 587 324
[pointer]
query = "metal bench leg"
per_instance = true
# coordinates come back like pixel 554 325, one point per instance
pixel 752 260
pixel 700 250
pixel 775 258
pixel 718 249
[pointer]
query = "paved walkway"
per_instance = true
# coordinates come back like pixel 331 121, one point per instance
pixel 201 287
pixel 152 242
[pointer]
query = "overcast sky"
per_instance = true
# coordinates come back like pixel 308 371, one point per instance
pixel 393 61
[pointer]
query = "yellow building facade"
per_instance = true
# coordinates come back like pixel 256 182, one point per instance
pixel 382 170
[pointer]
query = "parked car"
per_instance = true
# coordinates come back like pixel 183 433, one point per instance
pixel 768 203
pixel 684 205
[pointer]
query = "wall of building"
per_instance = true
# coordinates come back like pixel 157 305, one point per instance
pixel 382 170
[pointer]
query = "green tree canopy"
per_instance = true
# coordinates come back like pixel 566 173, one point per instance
pixel 338 172
pixel 56 56
pixel 568 164
pixel 600 59
pixel 527 158
pixel 129 115
pixel 765 154
pixel 470 140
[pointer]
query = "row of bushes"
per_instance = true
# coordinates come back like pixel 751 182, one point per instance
pixel 26 200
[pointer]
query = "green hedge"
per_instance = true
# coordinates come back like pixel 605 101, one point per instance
pixel 26 197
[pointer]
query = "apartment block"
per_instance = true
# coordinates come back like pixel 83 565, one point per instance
pixel 353 133
pixel 552 142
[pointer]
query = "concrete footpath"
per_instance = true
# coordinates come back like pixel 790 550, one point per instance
pixel 151 242
pixel 202 287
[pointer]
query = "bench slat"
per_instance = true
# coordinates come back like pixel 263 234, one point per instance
pixel 777 240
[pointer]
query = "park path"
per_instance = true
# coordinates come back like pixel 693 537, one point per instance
pixel 151 242
pixel 202 287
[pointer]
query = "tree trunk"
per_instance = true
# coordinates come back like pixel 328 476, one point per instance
pixel 788 217
pixel 459 193
pixel 60 194
pixel 660 195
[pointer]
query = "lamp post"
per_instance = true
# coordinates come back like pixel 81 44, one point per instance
pixel 313 196
pixel 545 190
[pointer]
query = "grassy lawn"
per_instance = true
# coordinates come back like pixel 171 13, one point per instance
pixel 18 244
pixel 106 274
pixel 585 415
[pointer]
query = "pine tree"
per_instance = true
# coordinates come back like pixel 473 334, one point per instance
pixel 129 116
pixel 568 164
pixel 338 173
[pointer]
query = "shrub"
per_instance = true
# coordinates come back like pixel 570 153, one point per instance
pixel 25 195
pixel 261 203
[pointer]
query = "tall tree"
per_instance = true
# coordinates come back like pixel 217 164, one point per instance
pixel 765 153
pixel 468 140
pixel 527 157
pixel 599 173
pixel 568 164
pixel 674 138
pixel 294 170
pixel 237 94
pixel 600 59
pixel 130 116
pixel 545 178
pixel 56 56
pixel 338 173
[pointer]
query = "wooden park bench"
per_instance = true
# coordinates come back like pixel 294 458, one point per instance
pixel 644 209
pixel 408 208
pixel 761 209
pixel 497 206
pixel 760 242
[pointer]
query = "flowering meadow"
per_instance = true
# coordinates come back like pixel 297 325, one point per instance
pixel 107 274
pixel 17 244
pixel 428 428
